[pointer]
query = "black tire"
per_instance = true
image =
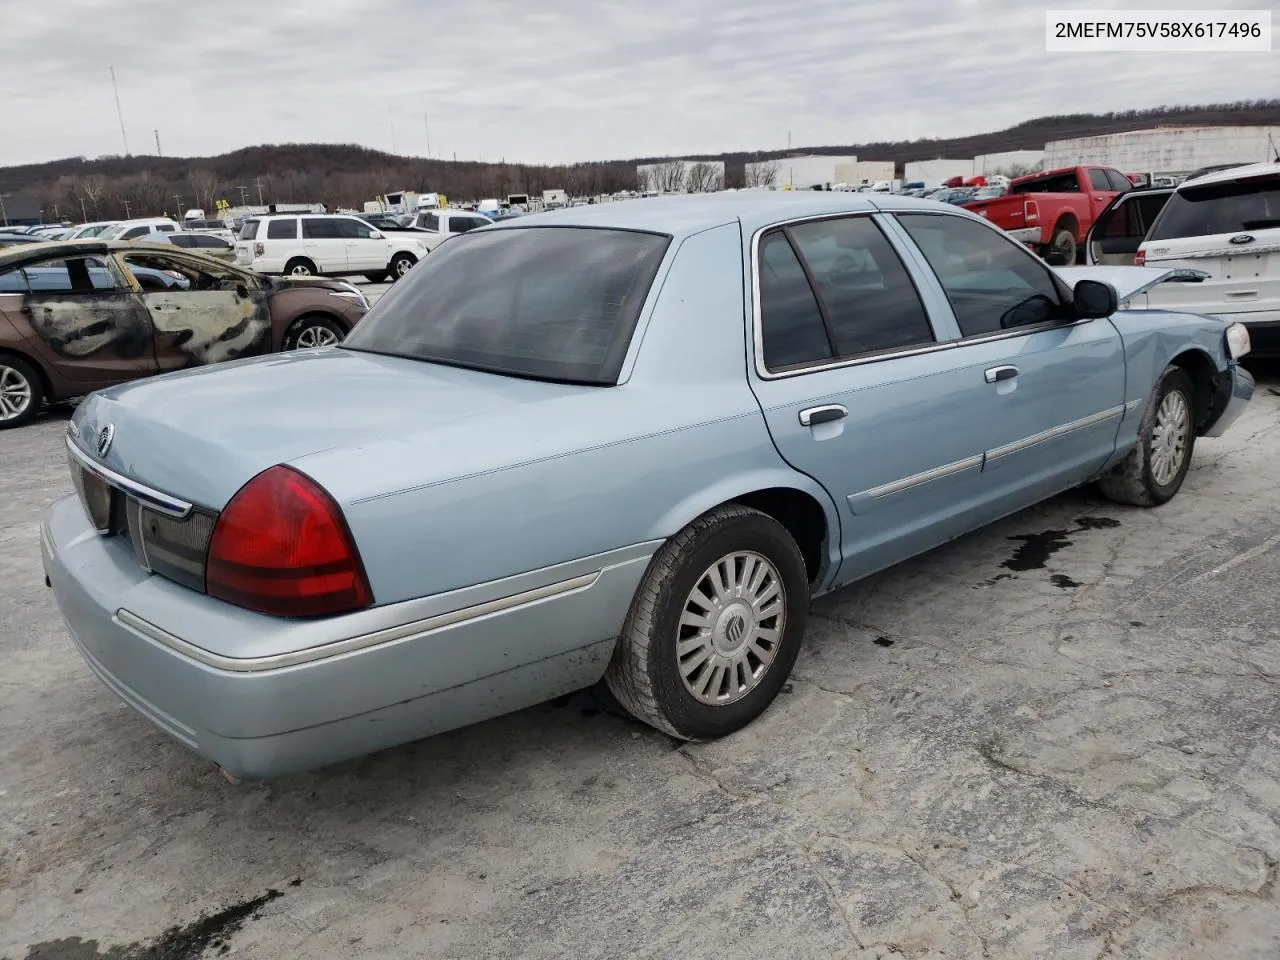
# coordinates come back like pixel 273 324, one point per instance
pixel 400 265
pixel 307 332
pixel 377 277
pixel 1064 242
pixel 1132 481
pixel 301 267
pixel 21 392
pixel 644 674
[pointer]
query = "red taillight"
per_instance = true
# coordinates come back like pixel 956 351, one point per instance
pixel 281 546
pixel 259 250
pixel 1030 211
pixel 1140 259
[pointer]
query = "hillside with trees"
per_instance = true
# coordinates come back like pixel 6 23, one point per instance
pixel 340 175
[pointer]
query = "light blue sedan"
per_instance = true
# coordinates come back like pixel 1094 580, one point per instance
pixel 626 441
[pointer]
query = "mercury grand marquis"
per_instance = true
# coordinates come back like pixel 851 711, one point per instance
pixel 625 442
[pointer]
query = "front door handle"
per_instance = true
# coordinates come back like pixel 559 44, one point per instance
pixel 996 374
pixel 813 416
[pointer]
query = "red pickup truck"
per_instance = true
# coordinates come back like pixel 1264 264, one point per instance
pixel 1053 211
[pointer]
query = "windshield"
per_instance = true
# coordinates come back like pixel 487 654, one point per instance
pixel 549 303
pixel 1232 207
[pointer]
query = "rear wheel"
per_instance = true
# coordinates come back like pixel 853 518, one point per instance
pixel 21 392
pixel 1064 243
pixel 1153 471
pixel 312 331
pixel 376 277
pixel 714 627
pixel 300 267
pixel 400 264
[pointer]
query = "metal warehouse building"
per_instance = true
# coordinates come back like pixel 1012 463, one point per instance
pixel 1167 150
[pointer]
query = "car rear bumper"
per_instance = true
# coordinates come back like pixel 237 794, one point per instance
pixel 292 711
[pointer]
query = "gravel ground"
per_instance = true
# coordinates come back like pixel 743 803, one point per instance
pixel 1057 737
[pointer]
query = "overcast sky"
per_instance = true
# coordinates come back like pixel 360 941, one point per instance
pixel 563 80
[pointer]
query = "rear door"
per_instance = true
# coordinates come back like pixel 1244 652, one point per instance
pixel 84 320
pixel 324 244
pixel 1231 231
pixel 1054 385
pixel 1121 227
pixel 220 316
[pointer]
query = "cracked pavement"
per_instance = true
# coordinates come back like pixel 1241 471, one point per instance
pixel 1056 737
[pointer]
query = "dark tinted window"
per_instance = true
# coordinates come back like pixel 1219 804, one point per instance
pixel 134 232
pixel 200 240
pixel 354 229
pixel 1119 181
pixel 549 303
pixel 1149 208
pixel 790 322
pixel 1220 208
pixel 249 230
pixel 463 224
pixel 869 299
pixel 993 283
pixel 320 228
pixel 286 229
pixel 429 221
pixel 1098 180
pixel 1059 183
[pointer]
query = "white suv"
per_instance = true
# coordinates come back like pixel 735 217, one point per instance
pixel 440 225
pixel 1226 225
pixel 323 244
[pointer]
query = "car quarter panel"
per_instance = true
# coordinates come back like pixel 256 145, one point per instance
pixel 589 471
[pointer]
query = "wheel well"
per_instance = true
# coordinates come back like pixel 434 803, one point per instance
pixel 293 260
pixel 31 362
pixel 1067 222
pixel 317 314
pixel 803 517
pixel 402 253
pixel 1204 377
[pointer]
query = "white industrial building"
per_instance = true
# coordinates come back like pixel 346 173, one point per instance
pixel 798 173
pixel 1015 161
pixel 864 171
pixel 681 176
pixel 934 172
pixel 1167 150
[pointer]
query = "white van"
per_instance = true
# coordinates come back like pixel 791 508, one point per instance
pixel 1227 226
pixel 137 229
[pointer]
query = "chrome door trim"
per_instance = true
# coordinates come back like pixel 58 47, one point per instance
pixel 916 479
pixel 413 630
pixel 1054 432
pixel 161 502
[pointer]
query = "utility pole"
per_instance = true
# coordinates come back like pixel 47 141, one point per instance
pixel 119 113
pixel 258 181
pixel 127 215
pixel 84 216
pixel 177 214
pixel 158 153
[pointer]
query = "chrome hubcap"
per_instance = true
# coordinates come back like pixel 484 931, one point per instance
pixel 1169 437
pixel 300 270
pixel 402 267
pixel 316 337
pixel 15 393
pixel 731 628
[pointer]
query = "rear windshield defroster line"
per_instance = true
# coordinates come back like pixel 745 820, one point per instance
pixel 545 303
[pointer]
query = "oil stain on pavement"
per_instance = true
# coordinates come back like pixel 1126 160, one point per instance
pixel 209 934
pixel 1035 549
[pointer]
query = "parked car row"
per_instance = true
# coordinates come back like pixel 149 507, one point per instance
pixel 561 457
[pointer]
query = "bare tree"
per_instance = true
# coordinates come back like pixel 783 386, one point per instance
pixel 204 184
pixel 670 176
pixel 704 177
pixel 763 174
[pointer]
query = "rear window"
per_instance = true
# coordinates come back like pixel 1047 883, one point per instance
pixel 548 303
pixel 1059 183
pixel 248 230
pixel 286 229
pixel 1235 207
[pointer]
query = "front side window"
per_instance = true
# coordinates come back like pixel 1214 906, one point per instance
pixel 134 232
pixel 1119 181
pixel 354 230
pixel 429 221
pixel 1098 180
pixel 463 224
pixel 70 275
pixel 993 284
pixel 1218 208
pixel 544 303
pixel 320 228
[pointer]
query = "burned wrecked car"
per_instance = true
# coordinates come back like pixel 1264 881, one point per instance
pixel 82 315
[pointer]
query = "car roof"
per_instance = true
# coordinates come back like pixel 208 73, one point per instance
pixel 70 248
pixel 689 214
pixel 1244 172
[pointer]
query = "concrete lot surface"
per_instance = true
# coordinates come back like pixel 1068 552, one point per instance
pixel 1058 737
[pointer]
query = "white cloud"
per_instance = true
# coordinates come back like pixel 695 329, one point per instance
pixel 569 80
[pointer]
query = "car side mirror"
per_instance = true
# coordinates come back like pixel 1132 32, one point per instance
pixel 375 235
pixel 1055 259
pixel 1094 299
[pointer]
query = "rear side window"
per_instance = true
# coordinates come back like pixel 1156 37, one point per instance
pixel 1119 182
pixel 320 228
pixel 993 284
pixel 791 325
pixel 429 221
pixel 249 230
pixel 544 303
pixel 463 224
pixel 286 229
pixel 1218 208
pixel 134 232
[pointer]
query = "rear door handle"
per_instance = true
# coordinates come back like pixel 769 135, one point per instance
pixel 813 416
pixel 996 374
